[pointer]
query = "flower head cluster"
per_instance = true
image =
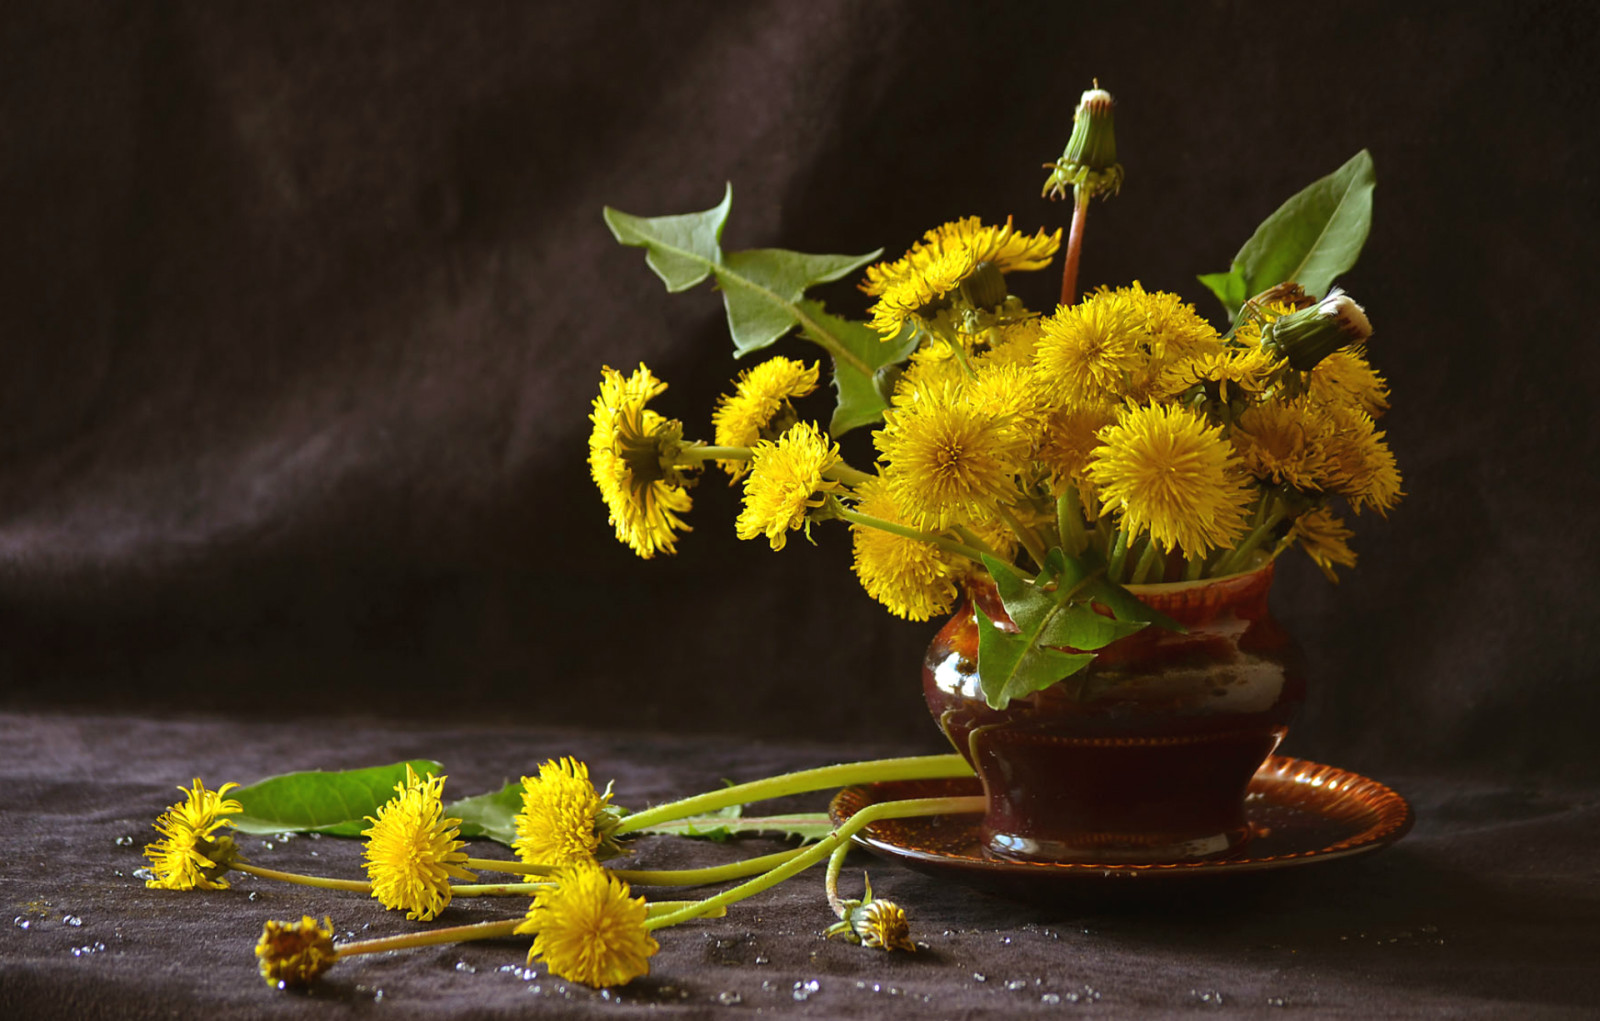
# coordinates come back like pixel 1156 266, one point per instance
pixel 760 407
pixel 412 852
pixel 189 856
pixel 292 954
pixel 787 480
pixel 632 459
pixel 588 929
pixel 564 820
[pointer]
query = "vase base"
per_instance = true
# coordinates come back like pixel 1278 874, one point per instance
pixel 1116 848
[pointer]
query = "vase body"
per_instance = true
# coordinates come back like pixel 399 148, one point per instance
pixel 1144 755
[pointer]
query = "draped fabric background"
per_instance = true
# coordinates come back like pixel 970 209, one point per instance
pixel 303 307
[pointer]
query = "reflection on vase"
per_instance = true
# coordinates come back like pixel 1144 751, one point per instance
pixel 1143 756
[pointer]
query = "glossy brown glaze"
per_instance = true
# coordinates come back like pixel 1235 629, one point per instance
pixel 1299 813
pixel 1147 753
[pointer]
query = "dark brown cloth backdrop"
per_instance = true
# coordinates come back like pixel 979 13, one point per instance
pixel 302 307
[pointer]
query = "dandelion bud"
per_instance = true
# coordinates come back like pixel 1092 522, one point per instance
pixel 986 287
pixel 1306 337
pixel 1094 139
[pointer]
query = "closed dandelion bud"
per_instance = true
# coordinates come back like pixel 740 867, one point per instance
pixel 1094 138
pixel 986 287
pixel 293 954
pixel 1306 337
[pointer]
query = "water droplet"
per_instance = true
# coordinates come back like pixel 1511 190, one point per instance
pixel 1071 997
pixel 465 968
pixel 1016 984
pixel 860 984
pixel 979 976
pixel 377 996
pixel 143 873
pixel 252 895
pixel 72 920
pixel 269 845
pixel 283 837
pixel 124 841
pixel 1277 1001
pixel 761 958
pixel 1050 998
pixel 1005 941
pixel 729 998
pixel 1209 996
pixel 605 994
pixel 21 923
pixel 803 990
pixel 536 989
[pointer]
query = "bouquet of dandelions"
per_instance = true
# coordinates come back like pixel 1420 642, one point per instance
pixel 1119 439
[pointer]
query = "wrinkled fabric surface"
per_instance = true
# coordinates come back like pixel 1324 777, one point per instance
pixel 1489 908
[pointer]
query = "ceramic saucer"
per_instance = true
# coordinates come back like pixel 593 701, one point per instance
pixel 1300 813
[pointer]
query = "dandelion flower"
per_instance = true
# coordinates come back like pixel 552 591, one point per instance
pixel 1283 443
pixel 785 482
pixel 588 929
pixel 948 460
pixel 907 297
pixel 1325 539
pixel 1345 379
pixel 1070 436
pixel 1169 473
pixel 564 820
pixel 872 922
pixel 1361 468
pixel 913 579
pixel 1004 246
pixel 186 857
pixel 761 399
pixel 1235 371
pixel 1086 353
pixel 295 953
pixel 1173 328
pixel 412 852
pixel 631 450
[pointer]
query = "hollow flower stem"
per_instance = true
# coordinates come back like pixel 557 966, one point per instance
pixel 1069 268
pixel 320 882
pixel 651 877
pixel 822 849
pixel 918 767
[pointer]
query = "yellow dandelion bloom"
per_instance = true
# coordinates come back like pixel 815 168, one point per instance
pixel 1003 245
pixel 628 460
pixel 931 367
pixel 564 820
pixel 186 857
pixel 1086 353
pixel 1325 539
pixel 295 953
pixel 1174 329
pixel 1009 392
pixel 947 460
pixel 1169 473
pixel 1237 370
pixel 1283 443
pixel 412 852
pixel 906 297
pixel 1070 436
pixel 1361 467
pixel 785 482
pixel 761 397
pixel 913 579
pixel 1345 379
pixel 1012 344
pixel 588 929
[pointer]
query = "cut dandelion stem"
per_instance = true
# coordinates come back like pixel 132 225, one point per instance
pixel 822 849
pixel 917 767
pixel 651 877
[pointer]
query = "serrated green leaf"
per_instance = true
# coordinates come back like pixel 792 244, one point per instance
pixel 1010 665
pixel 858 401
pixel 336 803
pixel 491 815
pixel 1229 288
pixel 807 826
pixel 1314 236
pixel 761 286
pixel 682 249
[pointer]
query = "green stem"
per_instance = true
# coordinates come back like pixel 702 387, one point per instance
pixel 1119 554
pixel 497 889
pixel 430 937
pixel 320 882
pixel 918 767
pixel 1147 561
pixel 707 452
pixel 517 868
pixel 971 539
pixel 1233 562
pixel 830 882
pixel 706 876
pixel 1069 268
pixel 1193 566
pixel 866 520
pixel 1069 521
pixel 1029 540
pixel 822 849
pixel 849 476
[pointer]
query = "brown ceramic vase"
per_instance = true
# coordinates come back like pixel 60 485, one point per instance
pixel 1143 756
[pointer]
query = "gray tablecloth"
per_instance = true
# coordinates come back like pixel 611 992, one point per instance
pixel 1489 908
